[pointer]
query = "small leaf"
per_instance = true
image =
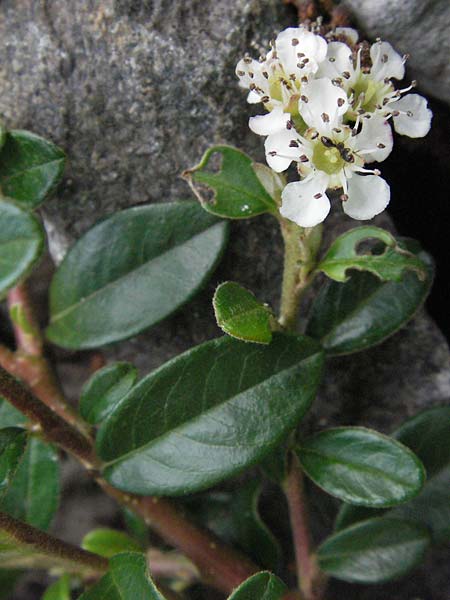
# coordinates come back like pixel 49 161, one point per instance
pixel 208 414
pixel 21 244
pixel 387 266
pixel 105 389
pixel 239 314
pixel 30 168
pixel 33 495
pixel 373 551
pixel 361 466
pixel 428 435
pixel 127 579
pixel 132 270
pixel 231 190
pixel 109 542
pixel 262 586
pixel 60 590
pixel 364 311
pixel 13 442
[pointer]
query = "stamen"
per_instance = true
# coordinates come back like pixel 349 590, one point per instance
pixel 265 99
pixel 343 197
pixel 326 142
pixel 295 42
pixel 340 101
pixel 272 153
pixel 384 58
pixel 304 99
pixel 241 73
pixel 332 59
pixel 346 75
pixel 381 146
pixel 317 196
pixel 293 144
pixel 265 74
pixel 303 158
pixel 325 118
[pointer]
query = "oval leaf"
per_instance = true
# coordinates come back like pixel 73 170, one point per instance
pixel 108 542
pixel 21 244
pixel 127 579
pixel 131 271
pixel 362 467
pixel 262 586
pixel 103 391
pixel 13 442
pixel 388 266
pixel 60 590
pixel 33 495
pixel 239 314
pixel 209 413
pixel 374 551
pixel 227 185
pixel 30 168
pixel 364 311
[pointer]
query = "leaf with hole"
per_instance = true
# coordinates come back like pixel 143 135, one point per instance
pixel 374 551
pixel 127 579
pixel 208 414
pixel 21 244
pixel 30 168
pixel 230 189
pixel 364 311
pixel 262 586
pixel 13 442
pixel 105 389
pixel 239 314
pixel 427 435
pixel 361 466
pixel 132 270
pixel 109 542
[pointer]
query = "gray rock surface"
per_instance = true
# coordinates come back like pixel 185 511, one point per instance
pixel 134 91
pixel 417 27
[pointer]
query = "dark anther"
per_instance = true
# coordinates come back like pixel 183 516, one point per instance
pixel 340 101
pixel 327 142
pixel 317 196
pixel 295 42
pixel 325 118
pixel 293 144
pixel 347 155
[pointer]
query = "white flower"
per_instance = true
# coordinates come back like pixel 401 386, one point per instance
pixel 330 155
pixel 370 89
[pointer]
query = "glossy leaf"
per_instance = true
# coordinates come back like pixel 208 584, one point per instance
pixel 131 271
pixel 109 542
pixel 374 551
pixel 226 184
pixel 364 311
pixel 239 314
pixel 30 168
pixel 428 435
pixel 209 413
pixel 262 586
pixel 361 466
pixel 389 265
pixel 33 495
pixel 127 579
pixel 105 389
pixel 60 590
pixel 21 244
pixel 13 442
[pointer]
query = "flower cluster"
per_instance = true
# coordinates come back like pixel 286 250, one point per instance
pixel 330 102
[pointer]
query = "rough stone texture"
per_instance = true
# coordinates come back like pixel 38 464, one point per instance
pixel 418 27
pixel 135 91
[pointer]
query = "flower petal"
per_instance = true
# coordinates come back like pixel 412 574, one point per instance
pixel 323 105
pixel 338 60
pixel 279 151
pixel 350 33
pixel 386 62
pixel 375 141
pixel 368 195
pixel 305 202
pixel 297 45
pixel 270 123
pixel 415 117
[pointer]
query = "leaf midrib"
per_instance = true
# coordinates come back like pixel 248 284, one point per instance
pixel 7 178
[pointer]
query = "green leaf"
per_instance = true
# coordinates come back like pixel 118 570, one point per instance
pixel 60 590
pixel 127 579
pixel 30 168
pixel 364 311
pixel 2 135
pixel 361 466
pixel 13 442
pixel 239 314
pixel 33 495
pixel 10 416
pixel 428 435
pixel 388 266
pixel 105 389
pixel 108 542
pixel 262 586
pixel 208 414
pixel 374 551
pixel 136 526
pixel 131 271
pixel 21 244
pixel 226 184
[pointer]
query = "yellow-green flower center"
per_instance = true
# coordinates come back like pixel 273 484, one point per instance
pixel 374 92
pixel 327 159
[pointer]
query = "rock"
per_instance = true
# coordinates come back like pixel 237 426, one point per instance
pixel 135 91
pixel 417 27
